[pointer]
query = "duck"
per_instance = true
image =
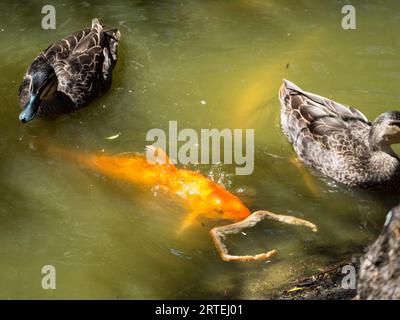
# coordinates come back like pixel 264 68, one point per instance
pixel 70 73
pixel 339 141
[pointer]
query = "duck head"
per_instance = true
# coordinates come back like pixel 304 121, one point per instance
pixel 385 130
pixel 40 83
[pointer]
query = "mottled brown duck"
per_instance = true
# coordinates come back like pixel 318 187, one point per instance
pixel 339 141
pixel 70 74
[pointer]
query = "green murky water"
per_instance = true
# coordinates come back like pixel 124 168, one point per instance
pixel 109 239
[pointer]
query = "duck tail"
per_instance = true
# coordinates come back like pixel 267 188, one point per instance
pixel 286 89
pixel 96 24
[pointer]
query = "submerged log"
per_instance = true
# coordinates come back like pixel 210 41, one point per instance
pixel 380 267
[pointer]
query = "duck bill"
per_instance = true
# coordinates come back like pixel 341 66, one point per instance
pixel 30 110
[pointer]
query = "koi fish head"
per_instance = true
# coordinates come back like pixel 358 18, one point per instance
pixel 226 205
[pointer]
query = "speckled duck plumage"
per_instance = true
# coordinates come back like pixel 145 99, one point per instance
pixel 70 73
pixel 339 141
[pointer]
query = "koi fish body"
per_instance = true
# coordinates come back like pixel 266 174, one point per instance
pixel 201 196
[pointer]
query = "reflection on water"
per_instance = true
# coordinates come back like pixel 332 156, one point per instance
pixel 205 64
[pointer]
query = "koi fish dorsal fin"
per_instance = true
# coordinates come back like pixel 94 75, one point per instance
pixel 157 155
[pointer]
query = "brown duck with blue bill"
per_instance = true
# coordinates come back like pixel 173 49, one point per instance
pixel 339 141
pixel 70 74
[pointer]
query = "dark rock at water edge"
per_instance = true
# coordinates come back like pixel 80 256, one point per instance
pixel 379 272
pixel 380 267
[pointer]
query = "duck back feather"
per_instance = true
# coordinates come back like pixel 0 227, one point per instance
pixel 82 62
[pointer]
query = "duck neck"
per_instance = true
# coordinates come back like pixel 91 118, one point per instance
pixel 386 148
pixel 380 144
pixel 383 147
pixel 384 163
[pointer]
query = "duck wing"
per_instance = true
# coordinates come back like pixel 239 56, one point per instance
pixel 301 110
pixel 83 63
pixel 325 134
pixel 346 113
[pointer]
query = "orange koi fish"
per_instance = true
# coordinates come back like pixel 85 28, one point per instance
pixel 262 82
pixel 202 197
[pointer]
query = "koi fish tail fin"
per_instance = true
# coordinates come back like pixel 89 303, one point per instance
pixel 58 153
pixel 157 155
